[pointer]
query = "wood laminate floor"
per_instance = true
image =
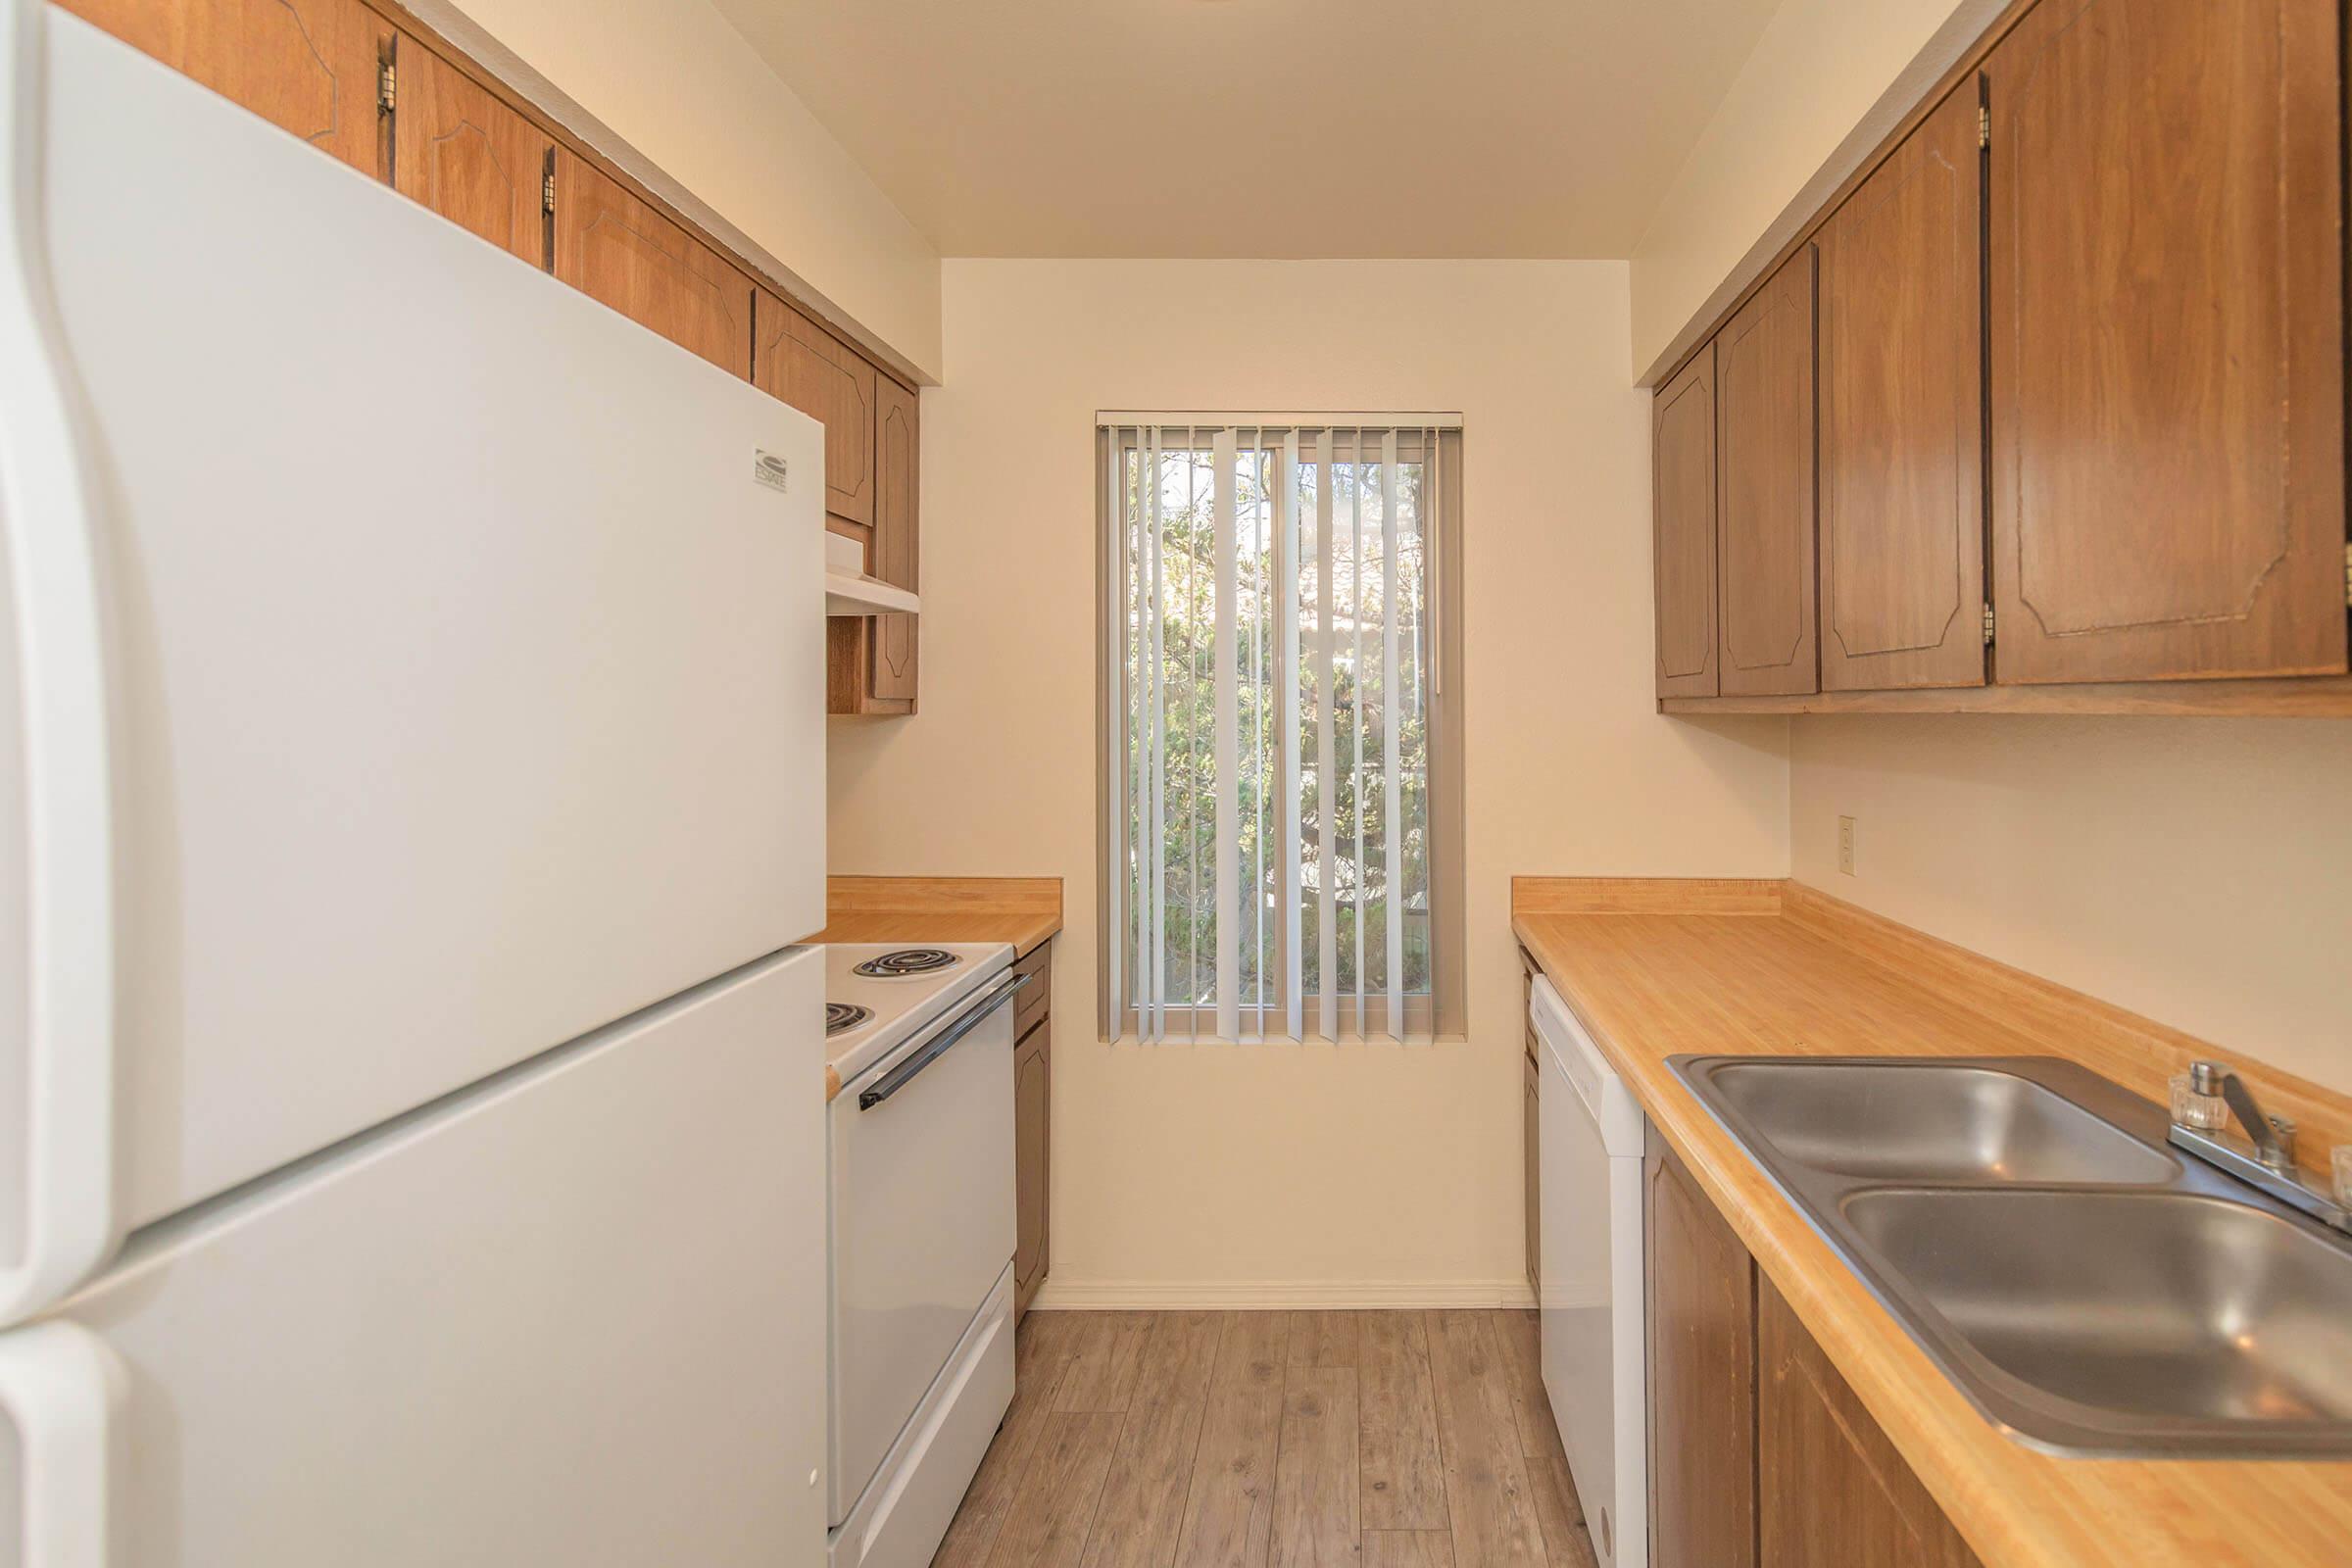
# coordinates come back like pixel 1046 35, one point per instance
pixel 1274 1440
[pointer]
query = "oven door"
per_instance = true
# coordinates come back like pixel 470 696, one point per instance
pixel 922 1222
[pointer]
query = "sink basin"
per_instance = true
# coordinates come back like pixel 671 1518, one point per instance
pixel 2084 1285
pixel 1930 1121
pixel 2154 1312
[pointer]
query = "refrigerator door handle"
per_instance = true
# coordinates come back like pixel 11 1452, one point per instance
pixel 60 1385
pixel 62 1055
pixel 939 1044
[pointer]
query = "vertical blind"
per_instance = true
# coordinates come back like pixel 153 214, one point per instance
pixel 1270 633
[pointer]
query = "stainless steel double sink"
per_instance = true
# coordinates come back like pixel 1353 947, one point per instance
pixel 2085 1285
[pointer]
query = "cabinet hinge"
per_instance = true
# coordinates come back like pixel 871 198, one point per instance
pixel 2348 573
pixel 547 191
pixel 387 87
pixel 1988 623
pixel 1984 125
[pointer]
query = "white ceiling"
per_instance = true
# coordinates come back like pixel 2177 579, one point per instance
pixel 1263 127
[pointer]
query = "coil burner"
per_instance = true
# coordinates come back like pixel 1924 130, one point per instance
pixel 906 963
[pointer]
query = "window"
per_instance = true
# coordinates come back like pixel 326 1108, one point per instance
pixel 1281 740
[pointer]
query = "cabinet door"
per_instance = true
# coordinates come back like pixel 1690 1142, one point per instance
pixel 1764 513
pixel 615 248
pixel 1902 525
pixel 2168 401
pixel 1833 1488
pixel 1033 1161
pixel 898 528
pixel 1681 458
pixel 1531 1132
pixel 798 361
pixel 461 152
pixel 1702 1350
pixel 306 66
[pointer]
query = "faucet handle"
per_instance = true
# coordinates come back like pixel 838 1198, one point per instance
pixel 2197 1102
pixel 2205 1077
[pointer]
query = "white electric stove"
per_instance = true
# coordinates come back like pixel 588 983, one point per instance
pixel 921 1226
pixel 876 994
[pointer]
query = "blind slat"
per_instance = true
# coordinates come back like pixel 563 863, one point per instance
pixel 1225 722
pixel 1392 737
pixel 1355 706
pixel 1327 925
pixel 1114 715
pixel 1192 738
pixel 1285 577
pixel 1155 932
pixel 1253 890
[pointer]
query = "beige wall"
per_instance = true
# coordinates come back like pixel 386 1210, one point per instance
pixel 2196 870
pixel 1314 1167
pixel 675 81
pixel 1816 72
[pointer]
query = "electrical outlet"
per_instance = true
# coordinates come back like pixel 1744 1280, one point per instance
pixel 1845 845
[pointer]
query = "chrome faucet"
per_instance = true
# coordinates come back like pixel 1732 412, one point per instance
pixel 2272 1137
pixel 2265 1158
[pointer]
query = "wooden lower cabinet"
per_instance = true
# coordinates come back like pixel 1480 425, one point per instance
pixel 1032 1129
pixel 1033 1161
pixel 1832 1487
pixel 1702 1380
pixel 1760 1455
pixel 1531 1133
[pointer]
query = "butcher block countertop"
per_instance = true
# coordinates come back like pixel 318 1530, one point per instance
pixel 1659 968
pixel 1025 910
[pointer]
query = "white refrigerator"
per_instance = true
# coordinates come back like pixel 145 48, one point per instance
pixel 410 784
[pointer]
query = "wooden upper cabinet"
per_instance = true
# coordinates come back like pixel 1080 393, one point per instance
pixel 897 531
pixel 1832 1487
pixel 1681 458
pixel 798 361
pixel 1902 365
pixel 1702 1362
pixel 870 660
pixel 1764 503
pixel 618 250
pixel 461 152
pixel 2166 275
pixel 311 67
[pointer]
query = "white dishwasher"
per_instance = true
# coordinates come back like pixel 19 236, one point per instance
pixel 1591 1258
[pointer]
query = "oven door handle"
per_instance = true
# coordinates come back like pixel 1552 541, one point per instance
pixel 940 1043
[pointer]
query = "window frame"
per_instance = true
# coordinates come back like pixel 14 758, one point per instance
pixel 1441 1012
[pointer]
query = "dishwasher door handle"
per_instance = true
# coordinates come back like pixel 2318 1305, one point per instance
pixel 940 1043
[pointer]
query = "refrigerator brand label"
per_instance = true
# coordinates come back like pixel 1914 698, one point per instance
pixel 768 470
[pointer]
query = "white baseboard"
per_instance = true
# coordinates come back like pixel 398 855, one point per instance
pixel 1057 1294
